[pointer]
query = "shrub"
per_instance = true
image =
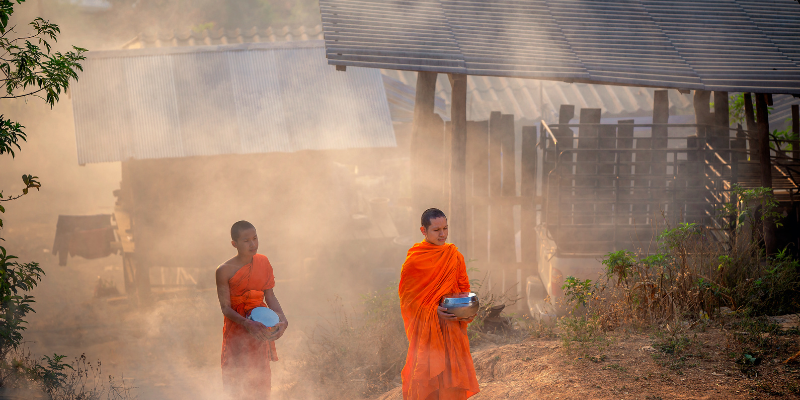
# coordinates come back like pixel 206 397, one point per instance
pixel 694 273
pixel 80 380
pixel 16 279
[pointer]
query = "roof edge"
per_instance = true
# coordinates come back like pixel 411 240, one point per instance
pixel 154 51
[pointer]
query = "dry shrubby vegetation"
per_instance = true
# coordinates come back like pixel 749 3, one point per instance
pixel 51 378
pixel 693 283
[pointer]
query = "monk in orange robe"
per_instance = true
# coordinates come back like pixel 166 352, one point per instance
pixel 438 365
pixel 243 283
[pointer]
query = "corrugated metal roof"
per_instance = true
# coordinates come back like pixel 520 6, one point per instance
pixel 520 97
pixel 727 45
pixel 208 37
pixel 229 99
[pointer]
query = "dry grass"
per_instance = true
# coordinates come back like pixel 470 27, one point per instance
pixel 50 378
pixel 353 354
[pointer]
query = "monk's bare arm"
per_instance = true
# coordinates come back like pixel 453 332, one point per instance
pixel 275 305
pixel 224 293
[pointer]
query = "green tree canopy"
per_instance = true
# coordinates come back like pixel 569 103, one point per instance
pixel 30 68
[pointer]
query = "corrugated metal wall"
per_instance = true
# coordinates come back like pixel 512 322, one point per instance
pixel 235 99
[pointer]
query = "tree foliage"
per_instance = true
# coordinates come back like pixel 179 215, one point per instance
pixel 29 68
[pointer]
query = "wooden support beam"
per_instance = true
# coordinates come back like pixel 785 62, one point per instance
pixel 722 120
pixel 660 135
pixel 528 188
pixel 750 119
pixel 423 119
pixel 762 118
pixel 796 131
pixel 458 164
pixel 660 116
pixel 587 160
pixel 565 135
pixel 702 110
pixel 495 187
pixel 480 187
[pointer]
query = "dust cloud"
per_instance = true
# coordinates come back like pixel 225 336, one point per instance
pixel 301 203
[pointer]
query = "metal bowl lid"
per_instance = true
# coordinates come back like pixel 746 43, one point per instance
pixel 459 295
pixel 459 299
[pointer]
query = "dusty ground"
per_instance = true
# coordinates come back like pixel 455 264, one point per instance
pixel 170 350
pixel 628 368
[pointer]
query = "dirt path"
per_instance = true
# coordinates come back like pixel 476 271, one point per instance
pixel 631 369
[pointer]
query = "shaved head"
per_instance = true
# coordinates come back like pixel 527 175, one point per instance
pixel 238 227
pixel 431 214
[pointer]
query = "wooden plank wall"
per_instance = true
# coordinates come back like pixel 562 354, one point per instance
pixel 494 202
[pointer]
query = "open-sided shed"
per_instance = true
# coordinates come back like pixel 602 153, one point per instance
pixel 719 46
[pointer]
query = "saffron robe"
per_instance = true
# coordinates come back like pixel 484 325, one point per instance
pixel 245 359
pixel 438 363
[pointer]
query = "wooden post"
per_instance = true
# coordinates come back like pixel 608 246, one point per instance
pixel 507 248
pixel 750 119
pixel 458 165
pixel 495 210
pixel 528 188
pixel 622 208
pixel 446 166
pixel 585 186
pixel 796 131
pixel 606 173
pixel 762 118
pixel 722 120
pixel 702 111
pixel 660 116
pixel 474 150
pixel 660 135
pixel 423 118
pixel 736 157
pixel 480 187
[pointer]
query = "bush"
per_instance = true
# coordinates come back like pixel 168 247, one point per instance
pixel 80 380
pixel 16 279
pixel 693 274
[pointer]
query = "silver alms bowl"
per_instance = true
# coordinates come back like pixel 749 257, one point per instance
pixel 462 305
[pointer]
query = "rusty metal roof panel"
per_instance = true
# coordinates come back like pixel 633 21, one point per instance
pixel 229 99
pixel 730 45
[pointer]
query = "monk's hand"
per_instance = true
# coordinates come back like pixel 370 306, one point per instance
pixel 278 331
pixel 443 314
pixel 257 329
pixel 468 319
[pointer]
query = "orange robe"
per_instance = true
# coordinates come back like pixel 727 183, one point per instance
pixel 438 365
pixel 245 360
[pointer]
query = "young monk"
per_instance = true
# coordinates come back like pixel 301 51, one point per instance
pixel 438 365
pixel 243 283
